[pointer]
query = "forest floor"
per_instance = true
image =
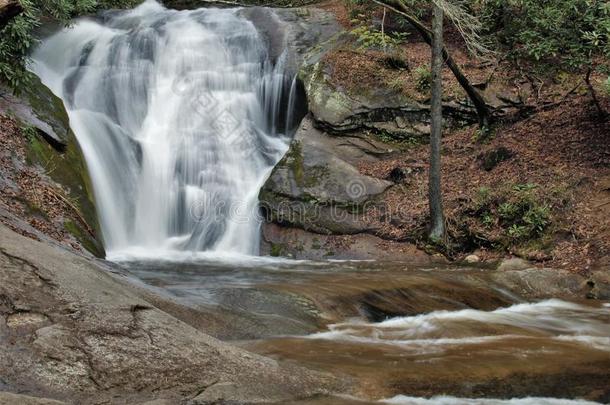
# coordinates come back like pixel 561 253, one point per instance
pixel 538 187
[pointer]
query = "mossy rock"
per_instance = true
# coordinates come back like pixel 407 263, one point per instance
pixel 54 147
pixel 314 189
pixel 391 113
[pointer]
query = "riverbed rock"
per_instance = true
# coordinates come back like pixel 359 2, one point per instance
pixel 102 341
pixel 514 263
pixel 472 259
pixel 534 283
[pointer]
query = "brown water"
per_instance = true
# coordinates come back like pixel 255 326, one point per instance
pixel 403 334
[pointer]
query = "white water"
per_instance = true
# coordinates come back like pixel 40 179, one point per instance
pixel 447 400
pixel 181 117
pixel 552 319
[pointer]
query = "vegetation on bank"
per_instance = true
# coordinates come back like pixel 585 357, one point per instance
pixel 549 53
pixel 546 39
pixel 17 35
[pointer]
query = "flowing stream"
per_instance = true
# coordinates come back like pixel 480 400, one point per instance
pixel 181 116
pixel 409 335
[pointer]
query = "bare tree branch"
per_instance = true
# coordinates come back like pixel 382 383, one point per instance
pixel 477 99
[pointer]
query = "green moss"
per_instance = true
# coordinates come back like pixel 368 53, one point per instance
pixel 294 159
pixel 83 237
pixel 276 250
pixel 66 167
pixel 402 141
pixel 315 175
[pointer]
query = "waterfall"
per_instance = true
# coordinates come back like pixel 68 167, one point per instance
pixel 181 117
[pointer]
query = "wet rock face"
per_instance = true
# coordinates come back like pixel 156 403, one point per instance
pixel 53 149
pixel 75 332
pixel 314 189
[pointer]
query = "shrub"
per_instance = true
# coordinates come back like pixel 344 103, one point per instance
pixel 423 79
pixel 516 214
pixel 550 33
pixel 370 38
pixel 16 39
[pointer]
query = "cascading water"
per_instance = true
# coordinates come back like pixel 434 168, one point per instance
pixel 181 116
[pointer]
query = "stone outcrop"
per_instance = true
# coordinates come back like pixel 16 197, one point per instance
pixel 381 110
pixel 53 148
pixel 74 332
pixel 299 244
pixel 315 189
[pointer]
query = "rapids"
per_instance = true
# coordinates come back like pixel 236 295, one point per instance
pixel 412 334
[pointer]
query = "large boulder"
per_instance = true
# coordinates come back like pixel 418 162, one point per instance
pixel 313 188
pixel 72 330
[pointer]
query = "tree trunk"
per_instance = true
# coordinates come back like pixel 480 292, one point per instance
pixel 8 10
pixel 480 105
pixel 437 219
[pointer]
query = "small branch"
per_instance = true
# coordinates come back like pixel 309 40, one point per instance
pixel 561 101
pixel 602 113
pixel 601 205
pixel 383 28
pixel 76 211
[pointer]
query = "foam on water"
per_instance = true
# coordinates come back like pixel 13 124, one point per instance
pixel 447 400
pixel 560 320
